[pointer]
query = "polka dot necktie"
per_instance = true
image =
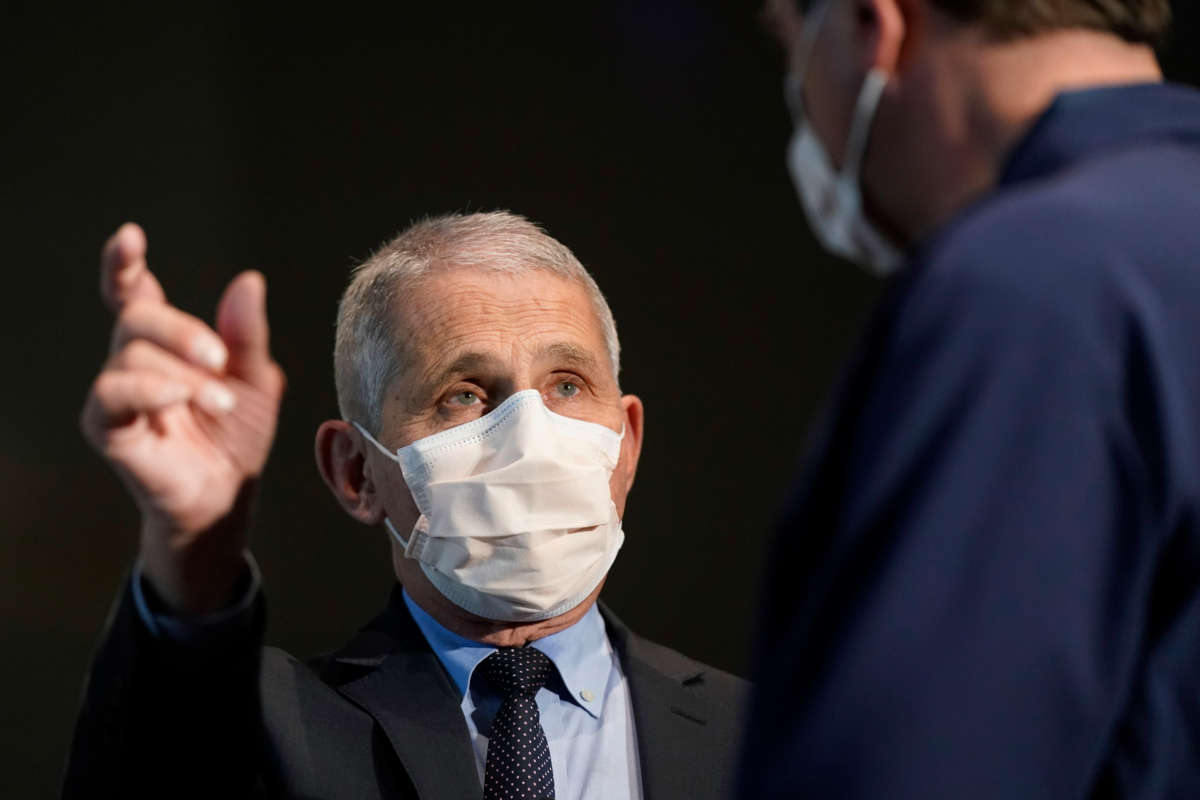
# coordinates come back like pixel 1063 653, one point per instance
pixel 518 755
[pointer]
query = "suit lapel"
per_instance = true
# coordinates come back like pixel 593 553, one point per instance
pixel 670 717
pixel 409 695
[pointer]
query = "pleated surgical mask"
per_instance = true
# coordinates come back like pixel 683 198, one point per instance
pixel 832 199
pixel 517 521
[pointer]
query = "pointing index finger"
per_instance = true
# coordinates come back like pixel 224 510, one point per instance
pixel 124 275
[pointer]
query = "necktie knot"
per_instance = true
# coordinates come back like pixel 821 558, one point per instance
pixel 517 670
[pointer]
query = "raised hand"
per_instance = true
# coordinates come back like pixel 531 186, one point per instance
pixel 186 416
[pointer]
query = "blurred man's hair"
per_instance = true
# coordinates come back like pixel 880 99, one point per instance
pixel 1136 21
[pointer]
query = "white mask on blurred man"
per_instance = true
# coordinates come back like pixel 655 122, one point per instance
pixel 833 200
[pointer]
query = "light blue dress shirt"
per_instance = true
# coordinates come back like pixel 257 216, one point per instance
pixel 588 719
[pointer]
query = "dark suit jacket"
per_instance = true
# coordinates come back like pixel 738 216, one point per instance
pixel 377 719
pixel 987 583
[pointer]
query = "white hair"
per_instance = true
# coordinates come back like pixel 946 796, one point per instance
pixel 367 353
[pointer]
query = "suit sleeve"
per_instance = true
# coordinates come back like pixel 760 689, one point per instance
pixel 163 717
pixel 973 619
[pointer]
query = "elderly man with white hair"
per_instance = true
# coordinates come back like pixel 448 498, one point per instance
pixel 484 428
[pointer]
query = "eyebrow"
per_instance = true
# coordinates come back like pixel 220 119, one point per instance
pixel 470 361
pixel 566 353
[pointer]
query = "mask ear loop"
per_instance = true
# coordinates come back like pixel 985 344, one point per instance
pixel 864 117
pixel 375 442
pixel 386 522
pixel 395 535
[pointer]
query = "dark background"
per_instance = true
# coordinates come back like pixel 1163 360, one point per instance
pixel 646 135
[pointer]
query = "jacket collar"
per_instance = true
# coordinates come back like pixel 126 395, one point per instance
pixel 396 678
pixel 1079 124
pixel 671 708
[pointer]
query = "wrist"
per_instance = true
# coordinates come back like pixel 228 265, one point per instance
pixel 196 572
pixel 192 580
pixel 198 629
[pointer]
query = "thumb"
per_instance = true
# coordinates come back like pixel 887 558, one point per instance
pixel 242 324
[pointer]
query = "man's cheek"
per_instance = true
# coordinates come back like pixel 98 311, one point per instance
pixel 404 509
pixel 616 488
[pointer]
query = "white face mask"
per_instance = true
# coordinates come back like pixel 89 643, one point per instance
pixel 517 522
pixel 832 200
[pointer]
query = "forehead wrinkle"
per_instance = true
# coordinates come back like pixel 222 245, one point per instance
pixel 441 311
pixel 440 316
pixel 526 322
pixel 443 321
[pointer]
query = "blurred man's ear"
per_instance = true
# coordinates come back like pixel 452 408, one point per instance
pixel 343 466
pixel 883 28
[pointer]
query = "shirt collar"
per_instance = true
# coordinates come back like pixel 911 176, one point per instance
pixel 581 653
pixel 1080 123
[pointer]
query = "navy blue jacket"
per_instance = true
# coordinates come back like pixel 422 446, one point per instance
pixel 987 582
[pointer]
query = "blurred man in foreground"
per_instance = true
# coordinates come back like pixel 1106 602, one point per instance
pixel 987 582
pixel 483 426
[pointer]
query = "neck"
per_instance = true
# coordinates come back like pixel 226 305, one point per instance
pixel 988 97
pixel 1014 83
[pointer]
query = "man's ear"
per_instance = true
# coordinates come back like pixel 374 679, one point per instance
pixel 631 445
pixel 341 460
pixel 884 29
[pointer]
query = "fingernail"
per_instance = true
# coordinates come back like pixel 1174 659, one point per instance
pixel 209 353
pixel 216 398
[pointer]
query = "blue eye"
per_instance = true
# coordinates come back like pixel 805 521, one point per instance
pixel 568 389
